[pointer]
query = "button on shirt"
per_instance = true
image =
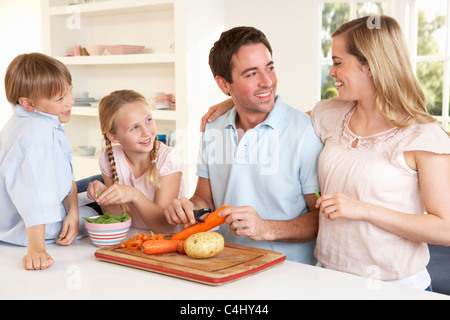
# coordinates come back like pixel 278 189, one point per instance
pixel 270 169
pixel 35 175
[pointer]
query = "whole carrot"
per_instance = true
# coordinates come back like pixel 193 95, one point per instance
pixel 211 221
pixel 160 246
pixel 180 247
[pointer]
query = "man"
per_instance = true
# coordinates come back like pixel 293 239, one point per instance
pixel 260 157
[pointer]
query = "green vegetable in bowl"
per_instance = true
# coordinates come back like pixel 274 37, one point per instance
pixel 109 218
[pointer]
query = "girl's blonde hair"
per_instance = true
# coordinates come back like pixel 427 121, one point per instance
pixel 108 110
pixel 379 42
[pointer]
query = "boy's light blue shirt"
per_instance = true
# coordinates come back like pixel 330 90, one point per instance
pixel 35 175
pixel 270 169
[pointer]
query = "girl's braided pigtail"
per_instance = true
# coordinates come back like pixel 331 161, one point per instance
pixel 152 172
pixel 112 165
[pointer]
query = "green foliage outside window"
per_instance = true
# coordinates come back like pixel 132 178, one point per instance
pixel 430 74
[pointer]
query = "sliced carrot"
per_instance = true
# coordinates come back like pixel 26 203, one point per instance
pixel 160 246
pixel 135 242
pixel 155 236
pixel 211 221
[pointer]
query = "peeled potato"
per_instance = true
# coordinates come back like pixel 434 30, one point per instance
pixel 204 245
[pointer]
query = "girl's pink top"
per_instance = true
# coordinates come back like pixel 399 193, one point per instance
pixel 375 172
pixel 169 161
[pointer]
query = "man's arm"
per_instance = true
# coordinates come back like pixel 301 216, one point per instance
pixel 245 221
pixel 202 197
pixel 304 228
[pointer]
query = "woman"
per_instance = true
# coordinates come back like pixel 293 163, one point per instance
pixel 384 163
pixel 385 160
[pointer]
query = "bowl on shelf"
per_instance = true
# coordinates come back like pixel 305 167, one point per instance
pixel 86 150
pixel 108 234
pixel 95 50
pixel 164 101
pixel 124 49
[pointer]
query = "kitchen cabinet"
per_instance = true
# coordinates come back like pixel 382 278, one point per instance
pixel 175 33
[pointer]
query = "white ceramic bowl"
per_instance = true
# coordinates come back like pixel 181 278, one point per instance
pixel 86 150
pixel 95 50
pixel 124 49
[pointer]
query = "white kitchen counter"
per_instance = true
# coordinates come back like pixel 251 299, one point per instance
pixel 77 274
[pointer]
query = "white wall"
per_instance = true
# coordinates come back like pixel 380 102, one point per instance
pixel 20 32
pixel 289 26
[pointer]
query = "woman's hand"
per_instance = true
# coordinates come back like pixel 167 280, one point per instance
pixel 338 205
pixel 215 111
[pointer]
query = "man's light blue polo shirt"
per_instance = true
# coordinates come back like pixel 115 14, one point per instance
pixel 35 175
pixel 270 169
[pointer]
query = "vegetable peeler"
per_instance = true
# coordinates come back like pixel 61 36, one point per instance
pixel 198 213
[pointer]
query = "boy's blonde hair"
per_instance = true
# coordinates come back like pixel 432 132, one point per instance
pixel 35 76
pixel 382 46
pixel 108 110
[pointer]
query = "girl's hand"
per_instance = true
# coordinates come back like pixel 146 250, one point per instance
pixel 116 194
pixel 95 189
pixel 38 260
pixel 338 205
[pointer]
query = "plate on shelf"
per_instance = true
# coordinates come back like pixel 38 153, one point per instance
pixel 88 99
pixel 84 102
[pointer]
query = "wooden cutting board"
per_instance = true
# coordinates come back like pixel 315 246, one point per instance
pixel 233 263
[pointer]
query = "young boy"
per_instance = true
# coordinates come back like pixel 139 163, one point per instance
pixel 37 188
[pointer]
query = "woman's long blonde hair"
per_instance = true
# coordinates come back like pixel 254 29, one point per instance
pixel 108 110
pixel 379 42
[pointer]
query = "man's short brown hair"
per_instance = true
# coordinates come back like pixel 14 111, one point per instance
pixel 228 44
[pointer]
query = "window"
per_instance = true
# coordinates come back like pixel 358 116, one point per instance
pixel 335 13
pixel 432 56
pixel 427 29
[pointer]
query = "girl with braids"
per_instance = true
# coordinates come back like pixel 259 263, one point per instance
pixel 141 174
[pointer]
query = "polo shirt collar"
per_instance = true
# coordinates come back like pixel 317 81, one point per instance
pixel 272 120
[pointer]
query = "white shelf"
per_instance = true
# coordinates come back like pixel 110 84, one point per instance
pixel 111 7
pixel 166 115
pixel 119 59
pixel 85 111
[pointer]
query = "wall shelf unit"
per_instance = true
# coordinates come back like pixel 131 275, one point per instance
pixel 149 58
pixel 176 39
pixel 106 7
pixel 161 115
